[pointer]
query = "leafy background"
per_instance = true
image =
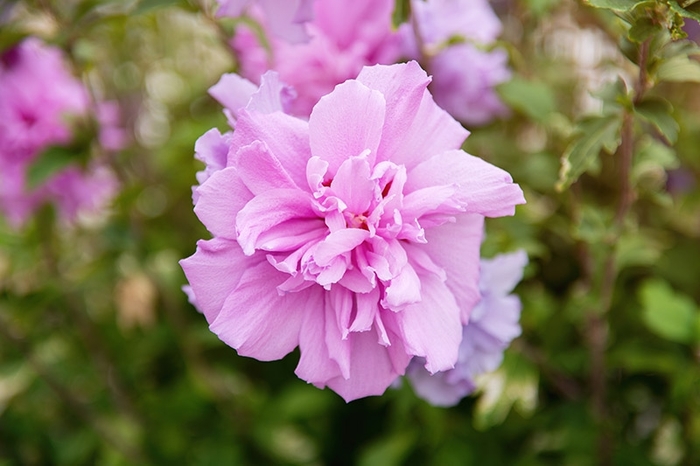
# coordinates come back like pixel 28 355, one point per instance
pixel 103 361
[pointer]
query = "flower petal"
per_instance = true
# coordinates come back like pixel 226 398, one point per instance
pixel 261 170
pixel 214 271
pixel 220 198
pixel 345 123
pixel 432 328
pixel 455 247
pixel 285 136
pixel 373 367
pixel 257 321
pixel 483 188
pixel 267 210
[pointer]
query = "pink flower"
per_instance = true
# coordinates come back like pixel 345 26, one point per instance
pixel 493 324
pixel 354 235
pixel 464 77
pixel 39 99
pixel 286 18
pixel 344 37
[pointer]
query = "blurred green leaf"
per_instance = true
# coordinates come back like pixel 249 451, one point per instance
pixel 617 5
pixel 534 99
pixel 659 112
pixel 49 162
pixel 690 11
pixel 679 69
pixel 669 314
pixel 513 385
pixel 643 28
pixel 595 134
pixel 388 451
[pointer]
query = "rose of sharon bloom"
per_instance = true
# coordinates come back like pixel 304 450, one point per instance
pixel 493 324
pixel 38 98
pixel 285 18
pixel 354 235
pixel 344 37
pixel 464 76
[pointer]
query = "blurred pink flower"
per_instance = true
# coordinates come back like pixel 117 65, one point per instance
pixel 285 18
pixel 493 324
pixel 39 99
pixel 450 33
pixel 354 236
pixel 344 37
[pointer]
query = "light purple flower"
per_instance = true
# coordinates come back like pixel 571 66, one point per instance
pixel 450 33
pixel 345 36
pixel 285 18
pixel 39 101
pixel 493 324
pixel 354 235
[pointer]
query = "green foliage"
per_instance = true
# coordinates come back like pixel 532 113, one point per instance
pixel 103 361
pixel 592 135
pixel 668 314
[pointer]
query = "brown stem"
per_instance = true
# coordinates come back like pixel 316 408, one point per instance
pixel 597 331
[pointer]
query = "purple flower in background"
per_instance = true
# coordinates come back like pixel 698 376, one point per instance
pixel 354 235
pixel 39 99
pixel 285 18
pixel 344 37
pixel 493 324
pixel 450 33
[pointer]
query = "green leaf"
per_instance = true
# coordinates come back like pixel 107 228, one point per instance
pixel 534 99
pixel 690 11
pixel 595 134
pixel 145 6
pixel 617 5
pixel 50 162
pixel 643 28
pixel 513 385
pixel 679 69
pixel 668 314
pixel 388 451
pixel 658 111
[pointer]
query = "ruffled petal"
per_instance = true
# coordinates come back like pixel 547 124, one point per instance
pixel 455 247
pixel 482 188
pixel 220 198
pixel 259 322
pixel 345 123
pixel 285 136
pixel 432 328
pixel 373 367
pixel 214 271
pixel 269 209
pixel 261 170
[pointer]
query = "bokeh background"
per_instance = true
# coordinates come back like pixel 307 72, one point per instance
pixel 103 361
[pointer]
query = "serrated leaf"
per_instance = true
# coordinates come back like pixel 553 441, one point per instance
pixel 49 162
pixel 679 69
pixel 595 134
pixel 658 112
pixel 690 11
pixel 534 99
pixel 617 5
pixel 668 314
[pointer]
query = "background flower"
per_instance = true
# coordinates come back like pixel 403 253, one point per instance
pixel 40 103
pixel 345 36
pixel 338 234
pixel 452 37
pixel 493 324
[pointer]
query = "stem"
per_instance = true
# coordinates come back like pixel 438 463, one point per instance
pixel 597 331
